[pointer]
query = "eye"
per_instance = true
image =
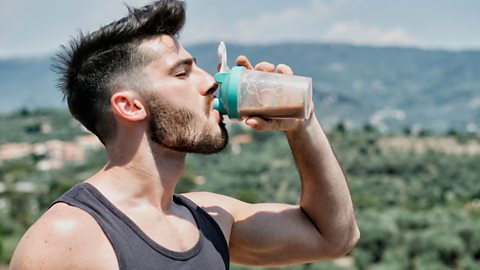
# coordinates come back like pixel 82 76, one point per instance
pixel 181 74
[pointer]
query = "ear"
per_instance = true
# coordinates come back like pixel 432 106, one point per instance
pixel 128 105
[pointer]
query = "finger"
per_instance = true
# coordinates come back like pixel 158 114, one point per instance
pixel 284 69
pixel 262 124
pixel 265 66
pixel 218 66
pixel 242 60
pixel 256 123
pixel 311 110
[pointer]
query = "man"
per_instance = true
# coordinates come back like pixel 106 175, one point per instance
pixel 133 85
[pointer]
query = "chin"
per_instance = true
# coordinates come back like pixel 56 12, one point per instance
pixel 216 143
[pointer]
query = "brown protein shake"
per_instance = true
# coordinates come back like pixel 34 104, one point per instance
pixel 297 111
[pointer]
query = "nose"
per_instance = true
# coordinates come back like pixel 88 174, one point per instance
pixel 208 85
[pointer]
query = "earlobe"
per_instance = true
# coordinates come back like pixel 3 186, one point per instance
pixel 128 106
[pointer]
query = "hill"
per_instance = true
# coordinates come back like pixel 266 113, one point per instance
pixel 390 88
pixel 417 198
pixel 27 83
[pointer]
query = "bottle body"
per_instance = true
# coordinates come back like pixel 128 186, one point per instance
pixel 273 95
pixel 244 93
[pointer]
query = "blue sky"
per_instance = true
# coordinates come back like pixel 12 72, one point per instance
pixel 35 28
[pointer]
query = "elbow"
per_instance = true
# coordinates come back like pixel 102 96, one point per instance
pixel 337 247
pixel 339 243
pixel 351 242
pixel 346 244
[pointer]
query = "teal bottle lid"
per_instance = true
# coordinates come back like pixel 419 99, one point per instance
pixel 227 100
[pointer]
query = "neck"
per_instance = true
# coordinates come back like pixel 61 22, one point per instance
pixel 146 174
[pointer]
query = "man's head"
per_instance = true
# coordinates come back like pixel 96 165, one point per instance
pixel 179 98
pixel 117 57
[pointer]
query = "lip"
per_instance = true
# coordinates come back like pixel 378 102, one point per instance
pixel 216 114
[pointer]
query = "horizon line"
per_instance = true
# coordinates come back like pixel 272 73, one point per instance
pixel 28 56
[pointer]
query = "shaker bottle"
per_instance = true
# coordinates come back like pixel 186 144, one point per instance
pixel 243 92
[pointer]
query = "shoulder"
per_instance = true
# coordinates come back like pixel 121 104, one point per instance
pixel 221 208
pixel 203 198
pixel 64 237
pixel 237 209
pixel 215 202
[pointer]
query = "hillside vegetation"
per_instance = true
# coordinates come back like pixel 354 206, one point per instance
pixel 416 210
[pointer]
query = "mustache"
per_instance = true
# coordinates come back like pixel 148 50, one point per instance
pixel 212 90
pixel 209 99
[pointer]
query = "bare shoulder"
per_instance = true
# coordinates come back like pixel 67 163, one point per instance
pixel 209 199
pixel 218 203
pixel 220 207
pixel 65 237
pixel 236 209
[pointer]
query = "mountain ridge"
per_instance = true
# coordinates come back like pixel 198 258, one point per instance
pixel 389 87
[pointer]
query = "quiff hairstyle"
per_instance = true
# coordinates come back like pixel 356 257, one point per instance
pixel 93 65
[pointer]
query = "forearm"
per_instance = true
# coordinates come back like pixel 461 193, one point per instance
pixel 325 194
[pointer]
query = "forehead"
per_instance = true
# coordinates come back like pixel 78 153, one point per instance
pixel 164 50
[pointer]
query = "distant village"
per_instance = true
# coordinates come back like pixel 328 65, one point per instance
pixel 55 153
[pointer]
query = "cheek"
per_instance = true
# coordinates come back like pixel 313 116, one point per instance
pixel 184 96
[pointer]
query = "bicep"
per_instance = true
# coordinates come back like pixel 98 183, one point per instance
pixel 274 235
pixel 267 234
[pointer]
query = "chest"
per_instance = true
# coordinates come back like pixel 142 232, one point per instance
pixel 174 233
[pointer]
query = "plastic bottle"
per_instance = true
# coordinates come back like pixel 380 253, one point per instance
pixel 243 92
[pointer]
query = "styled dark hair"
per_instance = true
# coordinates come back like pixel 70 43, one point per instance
pixel 94 63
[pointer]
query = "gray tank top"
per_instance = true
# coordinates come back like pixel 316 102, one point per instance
pixel 135 250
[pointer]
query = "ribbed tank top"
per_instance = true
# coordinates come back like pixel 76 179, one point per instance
pixel 135 250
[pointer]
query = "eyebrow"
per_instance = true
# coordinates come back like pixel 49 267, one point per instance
pixel 182 62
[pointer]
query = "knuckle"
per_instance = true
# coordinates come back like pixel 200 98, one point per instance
pixel 265 66
pixel 282 68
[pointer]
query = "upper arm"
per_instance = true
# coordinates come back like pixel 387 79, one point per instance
pixel 267 234
pixel 63 238
pixel 275 235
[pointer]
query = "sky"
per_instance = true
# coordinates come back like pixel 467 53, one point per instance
pixel 30 28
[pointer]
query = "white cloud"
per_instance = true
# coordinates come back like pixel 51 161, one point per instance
pixel 295 22
pixel 32 27
pixel 273 25
pixel 361 33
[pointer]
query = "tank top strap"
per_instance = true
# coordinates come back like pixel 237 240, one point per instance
pixel 207 225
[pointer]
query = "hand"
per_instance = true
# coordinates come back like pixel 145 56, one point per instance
pixel 262 124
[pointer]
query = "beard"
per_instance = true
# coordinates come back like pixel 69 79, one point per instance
pixel 182 130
